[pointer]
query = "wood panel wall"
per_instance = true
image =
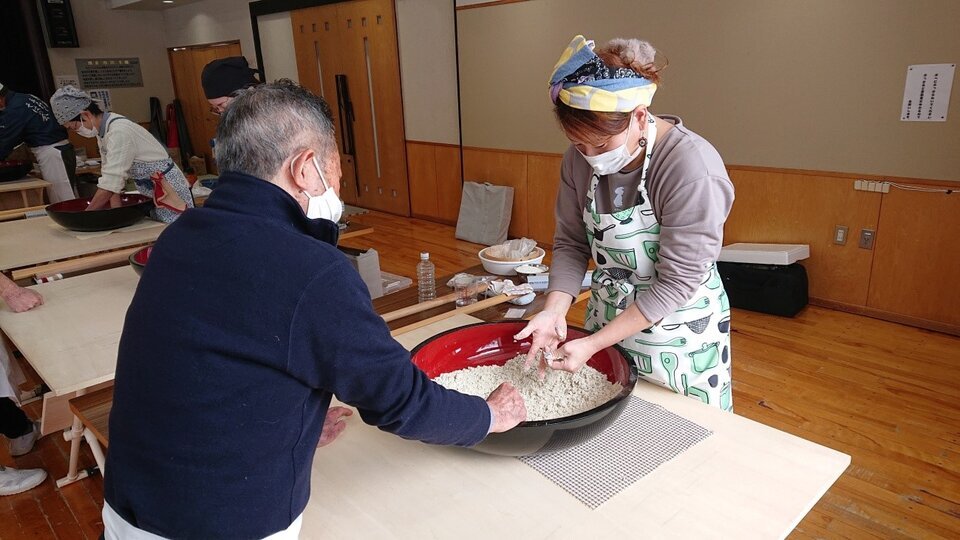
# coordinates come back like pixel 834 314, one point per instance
pixel 911 276
pixel 435 185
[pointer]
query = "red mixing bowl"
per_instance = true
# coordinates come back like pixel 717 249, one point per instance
pixel 486 344
pixel 73 214
pixel 138 259
pixel 14 170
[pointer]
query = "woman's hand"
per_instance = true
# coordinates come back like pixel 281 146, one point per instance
pixel 103 199
pixel 574 354
pixel 333 424
pixel 548 329
pixel 21 299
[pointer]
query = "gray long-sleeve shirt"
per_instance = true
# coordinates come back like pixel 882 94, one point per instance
pixel 691 196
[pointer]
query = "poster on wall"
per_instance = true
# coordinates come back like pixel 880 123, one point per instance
pixel 109 72
pixel 67 80
pixel 102 96
pixel 926 96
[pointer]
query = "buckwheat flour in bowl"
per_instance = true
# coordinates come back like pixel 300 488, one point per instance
pixel 559 394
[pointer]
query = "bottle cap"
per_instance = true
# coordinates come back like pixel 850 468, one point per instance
pixel 424 256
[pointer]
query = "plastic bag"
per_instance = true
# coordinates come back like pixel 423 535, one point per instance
pixel 512 250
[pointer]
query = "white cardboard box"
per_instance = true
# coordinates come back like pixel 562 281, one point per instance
pixel 778 254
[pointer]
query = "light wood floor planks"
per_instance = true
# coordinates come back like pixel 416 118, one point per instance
pixel 888 395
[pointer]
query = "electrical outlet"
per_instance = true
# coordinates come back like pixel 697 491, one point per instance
pixel 840 235
pixel 866 238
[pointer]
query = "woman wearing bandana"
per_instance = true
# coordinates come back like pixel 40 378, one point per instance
pixel 127 150
pixel 646 199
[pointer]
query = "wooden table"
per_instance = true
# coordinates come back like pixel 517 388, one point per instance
pixel 746 480
pixel 27 186
pixel 71 341
pixel 28 246
pixel 354 230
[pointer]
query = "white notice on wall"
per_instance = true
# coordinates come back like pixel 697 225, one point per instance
pixel 102 96
pixel 926 96
pixel 64 80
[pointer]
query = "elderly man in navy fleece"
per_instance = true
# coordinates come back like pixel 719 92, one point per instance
pixel 246 322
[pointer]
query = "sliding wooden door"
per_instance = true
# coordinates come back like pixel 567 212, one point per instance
pixel 347 52
pixel 186 65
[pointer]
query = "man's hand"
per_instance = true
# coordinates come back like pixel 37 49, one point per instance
pixel 20 299
pixel 507 406
pixel 333 424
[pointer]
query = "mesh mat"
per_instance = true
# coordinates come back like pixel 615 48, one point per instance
pixel 644 437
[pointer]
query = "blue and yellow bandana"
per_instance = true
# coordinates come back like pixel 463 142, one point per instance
pixel 581 80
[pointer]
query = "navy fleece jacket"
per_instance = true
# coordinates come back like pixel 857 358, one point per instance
pixel 246 321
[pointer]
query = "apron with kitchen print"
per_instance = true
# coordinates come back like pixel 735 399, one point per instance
pixel 162 181
pixel 689 350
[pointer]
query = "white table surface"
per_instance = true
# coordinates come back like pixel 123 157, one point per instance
pixel 33 241
pixel 72 339
pixel 744 481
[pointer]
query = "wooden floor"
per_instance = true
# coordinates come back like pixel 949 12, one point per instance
pixel 888 395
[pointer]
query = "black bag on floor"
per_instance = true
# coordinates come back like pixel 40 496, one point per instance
pixel 774 289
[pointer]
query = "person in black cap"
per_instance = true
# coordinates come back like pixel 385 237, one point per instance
pixel 222 78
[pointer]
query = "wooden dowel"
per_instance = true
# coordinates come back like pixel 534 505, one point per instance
pixel 483 304
pixel 75 265
pixel 424 306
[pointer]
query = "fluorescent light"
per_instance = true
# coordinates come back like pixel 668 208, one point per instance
pixel 167 1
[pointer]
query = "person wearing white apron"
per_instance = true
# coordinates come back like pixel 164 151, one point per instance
pixel 25 118
pixel 127 150
pixel 645 199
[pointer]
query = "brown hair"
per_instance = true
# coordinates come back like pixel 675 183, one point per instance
pixel 590 126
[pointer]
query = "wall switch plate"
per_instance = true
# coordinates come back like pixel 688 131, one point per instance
pixel 866 238
pixel 840 235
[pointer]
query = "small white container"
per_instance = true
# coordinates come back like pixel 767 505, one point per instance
pixel 508 268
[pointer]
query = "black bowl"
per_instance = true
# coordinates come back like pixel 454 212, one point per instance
pixel 487 344
pixel 138 259
pixel 73 215
pixel 14 170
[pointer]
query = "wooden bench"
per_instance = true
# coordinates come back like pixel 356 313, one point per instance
pixel 93 410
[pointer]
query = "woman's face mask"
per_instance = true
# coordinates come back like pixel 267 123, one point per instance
pixel 616 159
pixel 85 131
pixel 326 205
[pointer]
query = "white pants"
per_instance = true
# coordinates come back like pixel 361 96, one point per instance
pixel 117 528
pixel 54 171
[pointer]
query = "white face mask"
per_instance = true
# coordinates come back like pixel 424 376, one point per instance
pixel 614 160
pixel 327 205
pixel 84 131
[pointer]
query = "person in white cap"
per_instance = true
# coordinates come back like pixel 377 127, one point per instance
pixel 25 118
pixel 127 150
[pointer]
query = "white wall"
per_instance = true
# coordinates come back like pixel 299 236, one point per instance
pixel 105 33
pixel 276 44
pixel 428 70
pixel 210 21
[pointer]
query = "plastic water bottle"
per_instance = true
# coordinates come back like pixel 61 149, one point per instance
pixel 426 280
